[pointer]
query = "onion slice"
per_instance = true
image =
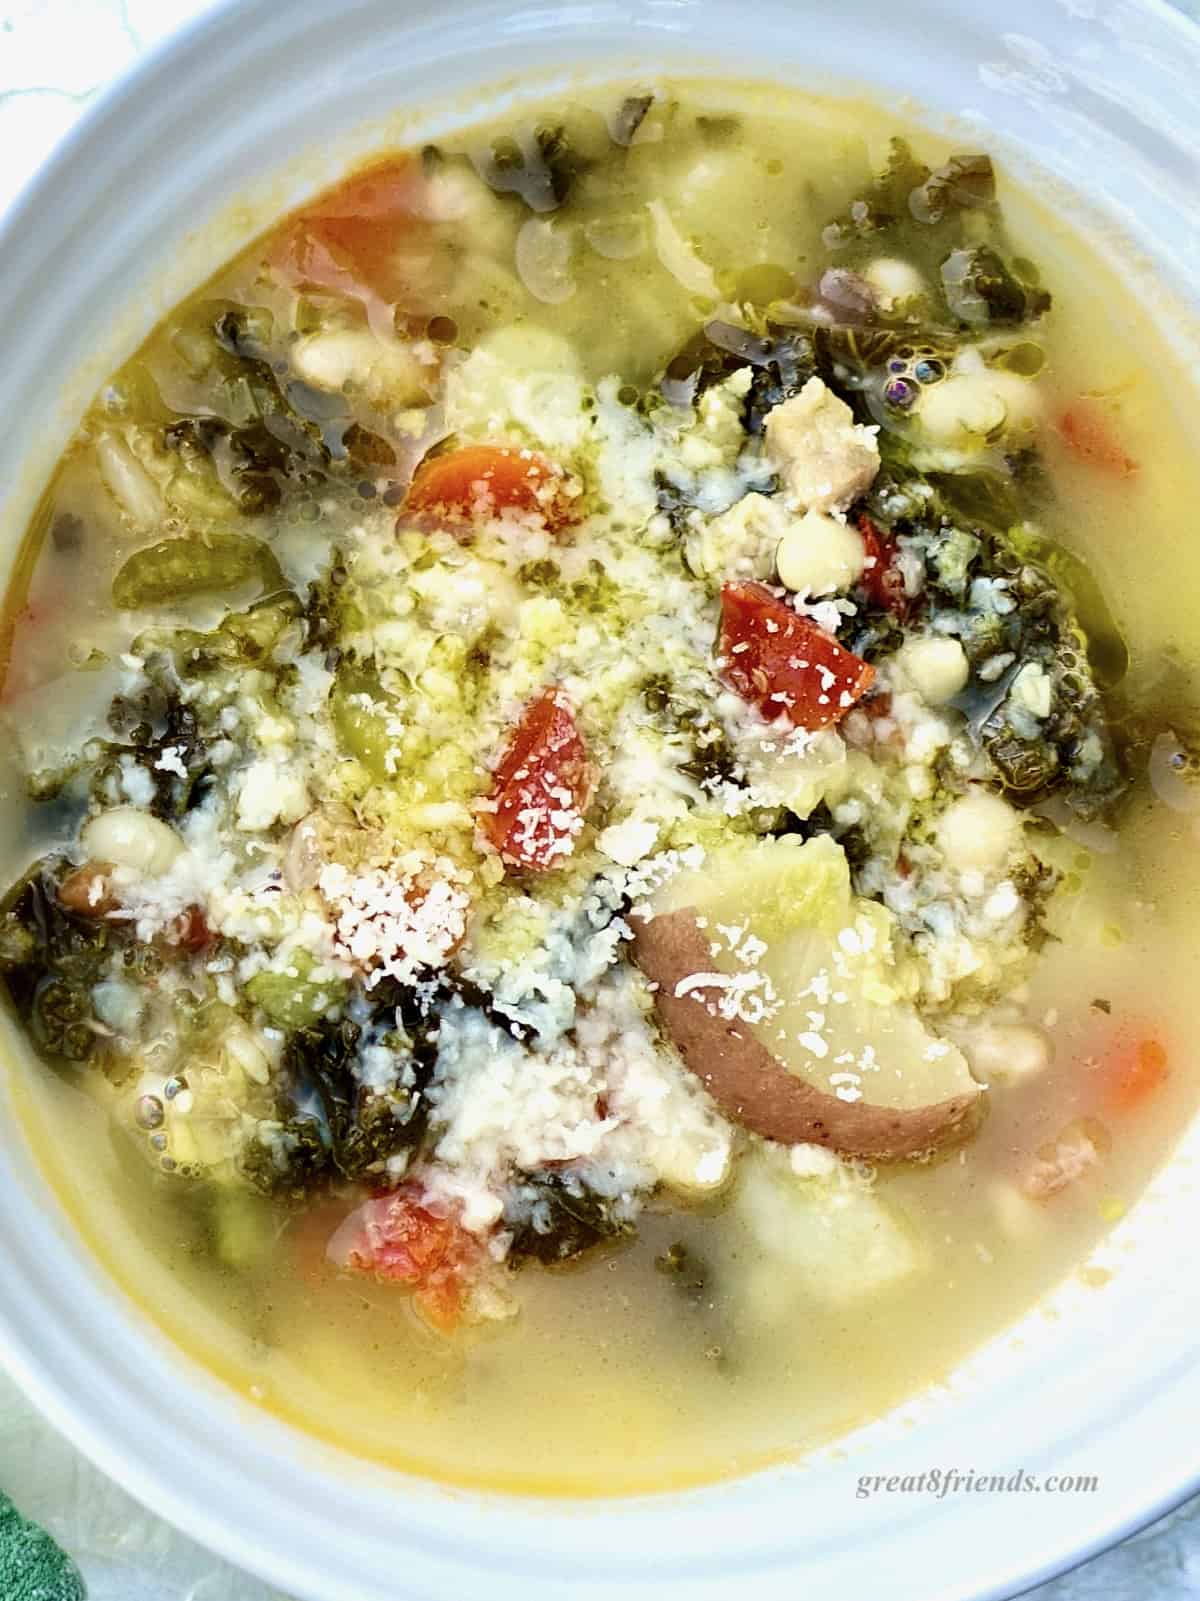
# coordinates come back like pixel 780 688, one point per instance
pixel 678 257
pixel 543 262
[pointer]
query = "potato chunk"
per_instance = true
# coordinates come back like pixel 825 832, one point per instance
pixel 776 986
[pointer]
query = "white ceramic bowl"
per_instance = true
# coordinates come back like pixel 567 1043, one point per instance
pixel 131 213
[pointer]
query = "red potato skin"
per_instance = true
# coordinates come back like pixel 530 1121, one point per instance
pixel 753 1088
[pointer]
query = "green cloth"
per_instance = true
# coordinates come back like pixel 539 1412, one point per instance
pixel 32 1566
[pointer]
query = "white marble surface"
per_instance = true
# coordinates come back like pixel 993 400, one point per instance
pixel 55 56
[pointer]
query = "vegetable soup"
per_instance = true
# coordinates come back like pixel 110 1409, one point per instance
pixel 600 764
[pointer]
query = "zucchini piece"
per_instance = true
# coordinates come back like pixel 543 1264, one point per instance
pixel 179 568
pixel 296 998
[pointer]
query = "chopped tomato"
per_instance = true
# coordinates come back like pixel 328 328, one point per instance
pixel 361 239
pixel 1139 1073
pixel 396 1237
pixel 540 787
pixel 783 663
pixel 480 481
pixel 1087 432
pixel 882 578
pixel 190 930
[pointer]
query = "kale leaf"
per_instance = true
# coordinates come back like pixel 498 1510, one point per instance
pixel 274 430
pixel 948 224
pixel 158 731
pixel 51 960
pixel 1002 594
pixel 541 173
pixel 555 1218
pixel 782 361
pixel 329 1122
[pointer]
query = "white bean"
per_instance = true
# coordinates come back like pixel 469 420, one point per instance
pixel 969 407
pixel 383 371
pixel 130 838
pixel 820 555
pixel 978 832
pixel 1007 1050
pixel 935 666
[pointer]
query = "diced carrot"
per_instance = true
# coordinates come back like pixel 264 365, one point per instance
pixel 1087 432
pixel 479 481
pixel 1140 1072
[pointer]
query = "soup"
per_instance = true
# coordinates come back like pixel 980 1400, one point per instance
pixel 594 780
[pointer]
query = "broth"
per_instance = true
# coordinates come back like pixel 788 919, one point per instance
pixel 698 1346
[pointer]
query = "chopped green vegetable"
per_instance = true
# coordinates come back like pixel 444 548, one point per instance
pixel 1107 652
pixel 243 1228
pixel 946 223
pixel 980 289
pixel 287 1161
pixel 177 569
pixel 295 998
pixel 998 592
pixel 964 183
pixel 242 639
pixel 364 719
pixel 561 1219
pixel 782 361
pixel 51 960
pixel 688 1275
pixel 542 174
pixel 366 1126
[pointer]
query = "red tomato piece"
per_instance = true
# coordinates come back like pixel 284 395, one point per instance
pixel 480 481
pixel 394 1236
pixel 190 930
pixel 357 238
pixel 882 578
pixel 540 787
pixel 783 663
pixel 1087 432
